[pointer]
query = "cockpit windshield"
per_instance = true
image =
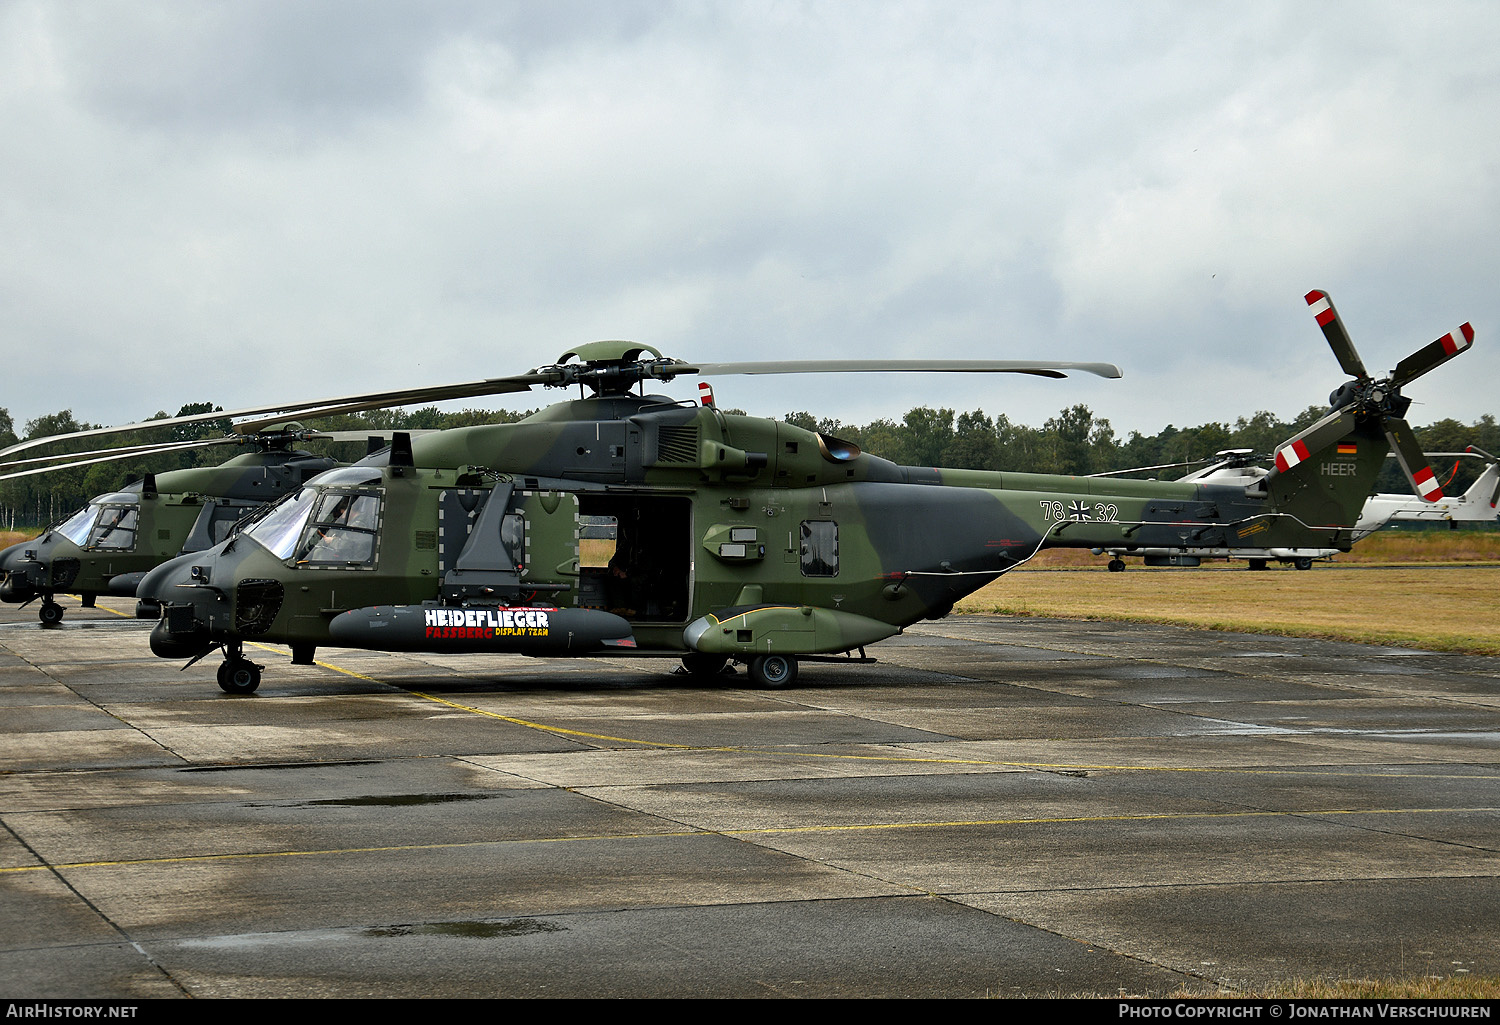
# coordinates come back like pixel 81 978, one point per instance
pixel 277 531
pixel 76 527
pixel 107 523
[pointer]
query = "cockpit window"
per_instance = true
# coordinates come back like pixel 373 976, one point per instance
pixel 115 528
pixel 341 531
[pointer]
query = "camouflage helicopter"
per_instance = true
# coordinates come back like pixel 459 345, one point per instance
pixel 107 546
pixel 736 538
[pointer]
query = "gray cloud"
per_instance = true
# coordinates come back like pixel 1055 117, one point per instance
pixel 241 201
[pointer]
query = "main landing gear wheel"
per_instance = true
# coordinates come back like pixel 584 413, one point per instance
pixel 1302 562
pixel 773 672
pixel 239 676
pixel 1256 564
pixel 703 666
pixel 50 613
pixel 1117 565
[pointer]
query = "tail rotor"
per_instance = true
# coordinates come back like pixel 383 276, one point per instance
pixel 1366 397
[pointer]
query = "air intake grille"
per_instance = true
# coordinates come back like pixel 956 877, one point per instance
pixel 677 444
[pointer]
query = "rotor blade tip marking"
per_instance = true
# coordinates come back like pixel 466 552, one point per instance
pixel 1322 308
pixel 1290 455
pixel 1455 342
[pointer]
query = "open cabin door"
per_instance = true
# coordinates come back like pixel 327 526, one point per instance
pixel 637 557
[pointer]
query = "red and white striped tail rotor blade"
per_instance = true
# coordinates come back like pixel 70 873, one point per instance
pixel 1290 455
pixel 1412 459
pixel 1333 330
pixel 1433 355
pixel 1315 439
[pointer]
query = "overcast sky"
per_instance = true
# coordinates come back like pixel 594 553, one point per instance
pixel 240 202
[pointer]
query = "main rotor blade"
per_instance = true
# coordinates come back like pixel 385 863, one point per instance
pixel 1471 453
pixel 383 433
pixel 402 397
pixel 106 455
pixel 1311 441
pixel 117 454
pixel 121 452
pixel 1433 355
pixel 319 407
pixel 1413 461
pixel 907 366
pixel 1158 466
pixel 1333 330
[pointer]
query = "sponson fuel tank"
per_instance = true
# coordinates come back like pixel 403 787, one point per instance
pixel 528 630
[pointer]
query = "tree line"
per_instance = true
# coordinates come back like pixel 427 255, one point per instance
pixel 1075 441
pixel 1079 443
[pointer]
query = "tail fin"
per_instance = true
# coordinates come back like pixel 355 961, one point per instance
pixel 1323 475
pixel 1485 491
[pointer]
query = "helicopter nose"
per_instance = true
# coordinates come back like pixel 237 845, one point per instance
pixel 168 594
pixel 158 586
pixel 16 587
pixel 12 556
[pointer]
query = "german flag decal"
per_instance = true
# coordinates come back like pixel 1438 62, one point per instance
pixel 1348 449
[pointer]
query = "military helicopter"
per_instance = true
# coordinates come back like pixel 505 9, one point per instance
pixel 737 537
pixel 107 546
pixel 1238 466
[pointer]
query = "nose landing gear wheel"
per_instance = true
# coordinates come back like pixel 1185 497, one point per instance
pixel 1302 562
pixel 50 613
pixel 1117 565
pixel 773 672
pixel 239 676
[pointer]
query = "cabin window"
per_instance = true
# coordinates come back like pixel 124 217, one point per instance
pixel 222 519
pixel 820 548
pixel 513 538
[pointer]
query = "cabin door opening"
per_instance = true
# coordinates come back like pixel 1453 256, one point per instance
pixel 635 556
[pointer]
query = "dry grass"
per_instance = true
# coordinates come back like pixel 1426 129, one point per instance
pixel 1433 987
pixel 1439 608
pixel 10 537
pixel 1424 546
pixel 1385 548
